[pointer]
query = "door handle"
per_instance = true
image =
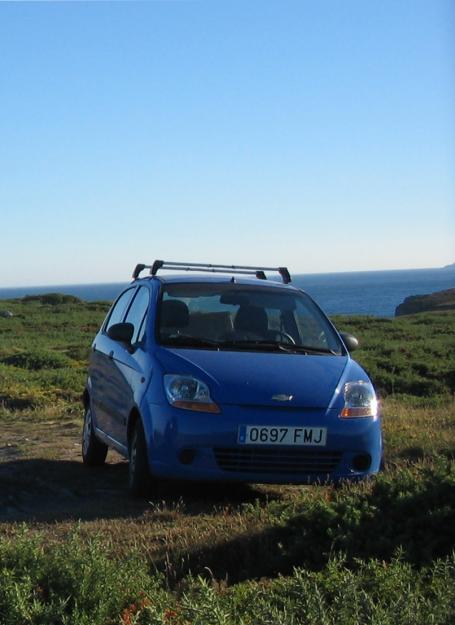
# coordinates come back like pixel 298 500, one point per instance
pixel 111 354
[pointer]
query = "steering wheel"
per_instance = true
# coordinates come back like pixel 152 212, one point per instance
pixel 287 337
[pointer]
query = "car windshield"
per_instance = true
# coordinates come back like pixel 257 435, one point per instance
pixel 243 317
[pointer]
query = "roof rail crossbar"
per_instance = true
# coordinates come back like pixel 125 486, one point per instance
pixel 259 272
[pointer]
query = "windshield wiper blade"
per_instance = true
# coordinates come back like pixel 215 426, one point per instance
pixel 183 340
pixel 262 345
pixel 317 350
pixel 279 346
pixel 285 347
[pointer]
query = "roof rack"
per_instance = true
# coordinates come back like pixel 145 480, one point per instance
pixel 259 272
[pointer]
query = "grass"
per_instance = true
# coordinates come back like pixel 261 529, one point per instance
pixel 408 357
pixel 44 349
pixel 76 549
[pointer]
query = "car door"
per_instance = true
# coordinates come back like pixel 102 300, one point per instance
pixel 104 377
pixel 131 365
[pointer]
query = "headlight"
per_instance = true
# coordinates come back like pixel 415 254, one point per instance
pixel 189 393
pixel 359 400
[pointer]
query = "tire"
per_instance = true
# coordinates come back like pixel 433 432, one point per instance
pixel 139 478
pixel 94 452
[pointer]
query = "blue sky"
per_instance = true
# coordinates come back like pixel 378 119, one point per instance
pixel 318 135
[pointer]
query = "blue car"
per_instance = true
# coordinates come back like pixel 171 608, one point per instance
pixel 229 376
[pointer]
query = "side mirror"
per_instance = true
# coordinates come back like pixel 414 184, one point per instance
pixel 121 332
pixel 350 341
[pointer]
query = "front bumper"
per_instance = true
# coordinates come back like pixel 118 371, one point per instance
pixel 198 446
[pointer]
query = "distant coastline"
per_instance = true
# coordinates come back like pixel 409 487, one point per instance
pixel 438 301
pixel 375 293
pixel 47 288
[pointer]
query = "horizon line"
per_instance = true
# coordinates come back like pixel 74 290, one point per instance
pixel 309 273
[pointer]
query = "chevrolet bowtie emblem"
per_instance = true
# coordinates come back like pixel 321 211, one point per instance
pixel 283 397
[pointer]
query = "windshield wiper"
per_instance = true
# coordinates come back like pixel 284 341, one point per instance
pixel 183 340
pixel 289 348
pixel 317 350
pixel 276 346
pixel 255 344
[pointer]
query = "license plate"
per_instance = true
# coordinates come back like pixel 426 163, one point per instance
pixel 279 435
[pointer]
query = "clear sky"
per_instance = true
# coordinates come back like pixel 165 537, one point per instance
pixel 314 134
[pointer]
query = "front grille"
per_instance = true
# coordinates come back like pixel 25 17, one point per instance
pixel 260 460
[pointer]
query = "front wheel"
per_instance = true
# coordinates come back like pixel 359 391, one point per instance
pixel 94 452
pixel 138 473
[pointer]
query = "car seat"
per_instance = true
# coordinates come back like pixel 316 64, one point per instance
pixel 252 319
pixel 174 315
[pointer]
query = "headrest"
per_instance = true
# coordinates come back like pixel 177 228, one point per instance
pixel 251 319
pixel 174 314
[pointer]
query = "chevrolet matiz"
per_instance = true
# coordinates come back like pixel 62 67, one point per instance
pixel 229 376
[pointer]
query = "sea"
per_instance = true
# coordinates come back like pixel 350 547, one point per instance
pixel 375 293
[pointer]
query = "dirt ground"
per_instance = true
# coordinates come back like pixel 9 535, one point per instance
pixel 43 480
pixel 42 477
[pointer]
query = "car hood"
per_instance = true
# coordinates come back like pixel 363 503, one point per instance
pixel 252 378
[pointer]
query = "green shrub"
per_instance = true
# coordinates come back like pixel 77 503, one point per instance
pixel 411 510
pixel 52 299
pixel 37 360
pixel 78 352
pixel 77 583
pixel 406 356
pixel 72 582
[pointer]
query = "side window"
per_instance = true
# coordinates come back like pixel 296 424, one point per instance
pixel 137 313
pixel 310 330
pixel 314 331
pixel 119 309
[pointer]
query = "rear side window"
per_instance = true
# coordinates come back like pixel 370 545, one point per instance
pixel 137 313
pixel 118 311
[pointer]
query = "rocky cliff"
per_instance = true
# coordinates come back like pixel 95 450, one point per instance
pixel 441 300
